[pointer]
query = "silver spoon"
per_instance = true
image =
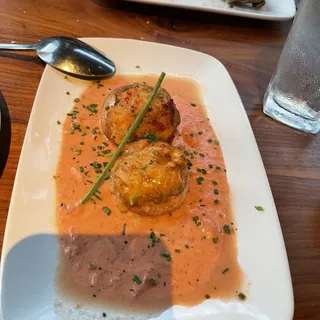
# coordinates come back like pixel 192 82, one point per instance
pixel 70 56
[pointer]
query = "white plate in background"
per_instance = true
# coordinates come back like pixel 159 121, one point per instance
pixel 30 251
pixel 272 10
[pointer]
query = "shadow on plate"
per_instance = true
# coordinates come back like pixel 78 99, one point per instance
pixel 99 276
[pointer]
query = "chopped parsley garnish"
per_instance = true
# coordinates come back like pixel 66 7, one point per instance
pixel 207 296
pixel 92 108
pixel 133 199
pixel 242 296
pixel 136 279
pixel 216 201
pixel 166 255
pixel 151 137
pixel 199 180
pixel 200 133
pixel 92 266
pixel 81 169
pixel 93 148
pixel 259 208
pixel 210 166
pixel 210 140
pixel 96 165
pixel 216 191
pixel 201 155
pixel 177 250
pixel 78 152
pixel 162 235
pixel 106 210
pixel 143 167
pixel 193 105
pixel 186 246
pixel 154 238
pixel 82 143
pixel 76 126
pixel 186 152
pixel 226 229
pixel 191 134
pixel 217 142
pixel 138 67
pixel 76 100
pixel 58 122
pixel 196 221
pixel 67 92
pixel 225 270
pixel 203 171
pixel 215 240
pixel 153 281
pixel 155 152
pixel 218 168
pixel 214 182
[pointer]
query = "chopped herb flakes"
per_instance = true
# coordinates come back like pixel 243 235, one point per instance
pixel 58 122
pixel 201 155
pixel 153 281
pixel 242 296
pixel 155 152
pixel 216 201
pixel 177 250
pixel 92 108
pixel 166 255
pixel 151 137
pixel 226 229
pixel 133 199
pixel 215 240
pixel 199 180
pixel 138 67
pixel 214 182
pixel 218 168
pixel 210 140
pixel 162 235
pixel 207 296
pixel 259 208
pixel 193 105
pixel 92 266
pixel 143 167
pixel 154 238
pixel 106 210
pixel 225 270
pixel 81 169
pixel 216 191
pixel 187 246
pixel 191 134
pixel 136 279
pixel 196 221
pixel 76 100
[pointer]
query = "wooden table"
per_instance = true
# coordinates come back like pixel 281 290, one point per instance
pixel 248 48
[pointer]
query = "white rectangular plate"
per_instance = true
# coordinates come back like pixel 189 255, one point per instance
pixel 272 10
pixel 30 251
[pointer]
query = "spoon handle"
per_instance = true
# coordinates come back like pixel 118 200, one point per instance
pixel 17 46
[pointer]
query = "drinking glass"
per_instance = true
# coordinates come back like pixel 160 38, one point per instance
pixel 293 94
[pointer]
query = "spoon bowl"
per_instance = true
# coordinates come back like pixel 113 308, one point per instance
pixel 71 56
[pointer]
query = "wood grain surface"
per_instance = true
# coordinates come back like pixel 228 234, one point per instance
pixel 249 49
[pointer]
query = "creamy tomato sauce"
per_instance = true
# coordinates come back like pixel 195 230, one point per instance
pixel 112 258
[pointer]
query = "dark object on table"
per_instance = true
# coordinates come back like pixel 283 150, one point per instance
pixel 255 3
pixel 5 133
